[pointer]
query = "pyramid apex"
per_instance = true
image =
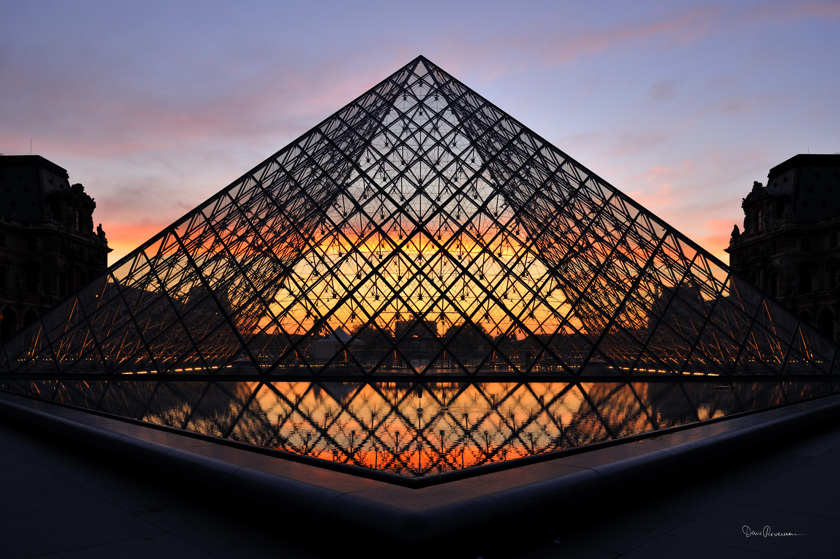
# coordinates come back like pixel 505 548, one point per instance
pixel 424 231
pixel 424 59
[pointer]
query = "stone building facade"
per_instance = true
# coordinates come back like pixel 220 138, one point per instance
pixel 48 245
pixel 790 245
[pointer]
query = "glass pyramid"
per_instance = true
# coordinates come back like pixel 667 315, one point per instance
pixel 418 231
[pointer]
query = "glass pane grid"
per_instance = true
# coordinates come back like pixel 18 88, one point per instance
pixel 419 232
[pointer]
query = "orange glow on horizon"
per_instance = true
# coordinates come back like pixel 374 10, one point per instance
pixel 489 279
pixel 125 238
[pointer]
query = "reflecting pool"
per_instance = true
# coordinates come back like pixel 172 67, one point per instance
pixel 417 430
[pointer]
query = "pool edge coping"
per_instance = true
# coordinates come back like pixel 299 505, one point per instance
pixel 428 513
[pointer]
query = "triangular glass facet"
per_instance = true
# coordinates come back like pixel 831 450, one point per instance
pixel 419 230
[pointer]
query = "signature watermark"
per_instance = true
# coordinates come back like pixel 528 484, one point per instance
pixel 766 532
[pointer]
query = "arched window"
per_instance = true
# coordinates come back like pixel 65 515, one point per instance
pixel 773 283
pixel 825 323
pixel 8 323
pixel 29 317
pixel 806 279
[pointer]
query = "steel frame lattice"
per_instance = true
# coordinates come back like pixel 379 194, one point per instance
pixel 414 430
pixel 419 231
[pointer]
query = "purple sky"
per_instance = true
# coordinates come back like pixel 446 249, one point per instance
pixel 155 106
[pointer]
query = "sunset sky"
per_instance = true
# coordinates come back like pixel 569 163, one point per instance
pixel 155 106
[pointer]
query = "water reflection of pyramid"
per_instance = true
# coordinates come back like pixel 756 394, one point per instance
pixel 419 230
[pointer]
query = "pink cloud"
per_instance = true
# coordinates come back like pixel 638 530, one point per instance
pixel 577 41
pixel 630 143
pixel 125 237
pixel 683 28
pixel 661 180
pixel 96 114
pixel 786 11
pixel 715 237
pixel 663 90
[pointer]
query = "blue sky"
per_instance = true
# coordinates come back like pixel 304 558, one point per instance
pixel 155 106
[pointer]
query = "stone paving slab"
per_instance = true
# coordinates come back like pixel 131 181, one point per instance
pixel 56 502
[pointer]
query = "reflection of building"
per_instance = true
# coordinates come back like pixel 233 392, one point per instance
pixel 789 246
pixel 327 347
pixel 48 245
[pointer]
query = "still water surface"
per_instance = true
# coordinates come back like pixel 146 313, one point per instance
pixel 418 430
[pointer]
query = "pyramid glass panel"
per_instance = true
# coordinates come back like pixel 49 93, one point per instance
pixel 420 231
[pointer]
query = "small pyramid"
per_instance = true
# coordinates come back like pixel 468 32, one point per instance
pixel 419 230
